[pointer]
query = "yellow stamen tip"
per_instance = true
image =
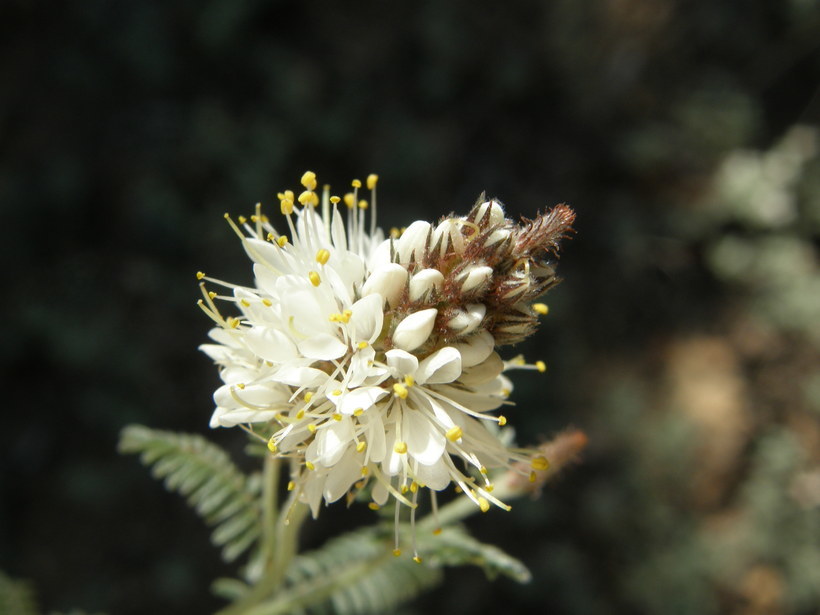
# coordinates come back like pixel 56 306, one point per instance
pixel 322 256
pixel 200 275
pixel 309 180
pixel 286 206
pixel 396 552
pixel 271 446
pixel 241 386
pixel 291 485
pixel 356 183
pixel 414 487
pixel 365 470
pixel 267 302
pixel 360 447
pixel 409 381
pixel 362 204
pixel 532 476
pixel 539 463
pixel 541 308
pixel 502 420
pixel 300 414
pixel 454 433
pixel 362 345
pixel 400 448
pixel 349 200
pixel 337 416
pixel 373 506
pixel 335 200
pixel 483 504
pixel 242 219
pixel 371 181
pixel 309 465
pixel 212 294
pixel 245 303
pixel 358 412
pixel 437 531
pixel 311 428
pixel 282 241
pixel 308 396
pixel 400 390
pixel 541 366
pixel 314 278
pixel 417 559
pixel 337 392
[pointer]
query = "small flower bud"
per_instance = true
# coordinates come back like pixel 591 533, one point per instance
pixel 414 330
pixel 474 278
pixel 467 320
pixel 414 241
pixel 389 281
pixel 424 282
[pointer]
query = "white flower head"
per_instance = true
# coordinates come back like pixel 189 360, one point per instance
pixel 370 361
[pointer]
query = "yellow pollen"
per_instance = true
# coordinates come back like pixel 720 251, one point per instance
pixel 308 197
pixel 312 428
pixel 454 433
pixel 349 200
pixel 362 345
pixel 396 552
pixel 400 390
pixel 483 504
pixel 337 392
pixel 404 489
pixel 212 294
pixel 314 278
pixel 541 366
pixel 400 448
pixel 437 531
pixel 532 476
pixel 502 420
pixel 394 232
pixel 267 302
pixel 287 194
pixel 409 380
pixel 335 200
pixel 291 485
pixel 489 488
pixel 271 446
pixel 414 487
pixel 483 469
pixel 286 206
pixel 233 322
pixel 373 506
pixel 358 412
pixel 309 180
pixel 308 396
pixel 505 392
pixel 541 308
pixel 270 237
pixel 337 417
pixel 356 183
pixel 200 275
pixel 300 415
pixel 365 470
pixel 322 256
pixel 417 559
pixel 360 447
pixel 346 315
pixel 371 181
pixel 282 241
pixel 539 463
pixel 245 303
pixel 309 465
pixel 241 386
pixel 458 489
pixel 242 219
pixel 362 204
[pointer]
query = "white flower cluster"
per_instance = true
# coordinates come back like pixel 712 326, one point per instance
pixel 370 361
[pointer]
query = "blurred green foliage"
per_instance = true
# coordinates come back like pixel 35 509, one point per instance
pixel 684 340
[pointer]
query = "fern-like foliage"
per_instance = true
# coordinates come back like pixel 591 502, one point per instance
pixel 16 597
pixel 202 472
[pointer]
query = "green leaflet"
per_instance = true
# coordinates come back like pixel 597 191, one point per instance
pixel 16 597
pixel 202 472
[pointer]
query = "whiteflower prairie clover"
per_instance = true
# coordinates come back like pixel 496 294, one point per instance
pixel 368 362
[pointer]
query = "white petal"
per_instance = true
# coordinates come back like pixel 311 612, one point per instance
pixel 342 477
pixel 312 492
pixel 270 344
pixel 333 440
pixel 265 254
pixel 376 444
pixel 362 398
pixel 475 348
pixel 444 365
pixel 435 476
pixel 493 210
pixel 423 282
pixel 414 330
pixel 366 319
pixel 424 442
pixel 413 242
pixel 322 346
pixel 486 371
pixel 401 363
pixel 379 493
pixel 469 319
pixel 388 281
pixel 300 376
pixel 231 417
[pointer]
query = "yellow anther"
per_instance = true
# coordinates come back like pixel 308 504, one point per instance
pixel 335 200
pixel 373 506
pixel 502 420
pixel 212 294
pixel 312 428
pixel 483 469
pixel 454 433
pixel 396 552
pixel 458 489
pixel 335 317
pixel 286 206
pixel 322 256
pixel 362 345
pixel 371 181
pixel 308 396
pixel 301 414
pixel 271 446
pixel 394 232
pixel 519 360
pixel 483 504
pixel 308 197
pixel 417 559
pixel 414 487
pixel 310 466
pixel 200 275
pixel 539 463
pixel 309 180
pixel 267 302
pixel 269 363
pixel 358 412
pixel 360 447
pixel 409 380
pixel 489 488
pixel 404 489
pixel 356 183
pixel 337 417
pixel 241 386
pixel 337 392
pixel 541 308
pixel 399 390
pixel 270 237
pixel 346 315
pixel 291 485
pixel 349 200
pixel 365 470
pixel 505 392
pixel 287 194
pixel 437 531
pixel 282 241
pixel 541 366
pixel 245 303
pixel 400 448
pixel 532 476
pixel 233 322
pixel 314 278
pixel 242 219
pixel 362 204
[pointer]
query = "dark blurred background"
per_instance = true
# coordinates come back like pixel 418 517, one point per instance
pixel 685 339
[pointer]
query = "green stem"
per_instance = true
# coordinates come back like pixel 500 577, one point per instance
pixel 287 538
